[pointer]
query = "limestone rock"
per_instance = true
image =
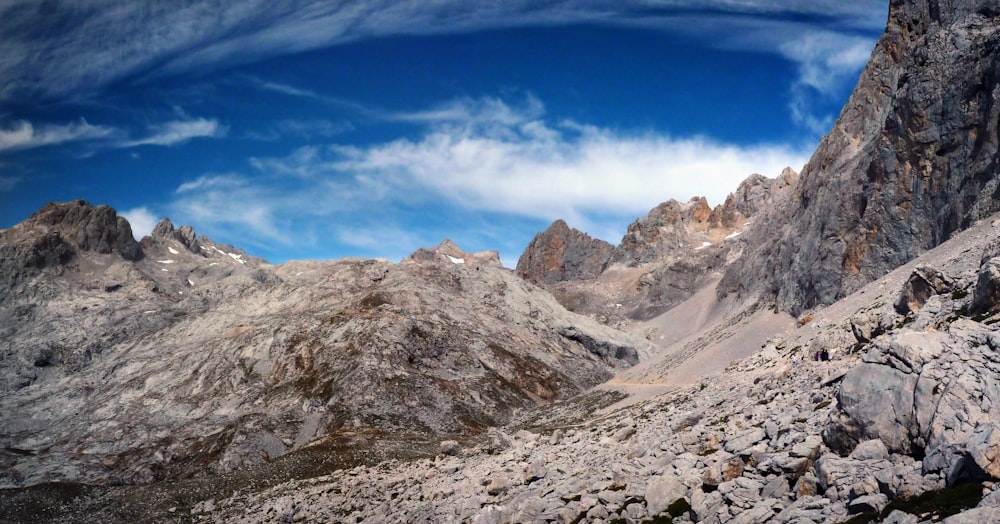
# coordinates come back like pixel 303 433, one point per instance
pixel 922 284
pixel 662 492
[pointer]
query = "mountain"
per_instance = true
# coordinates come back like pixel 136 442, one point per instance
pixel 662 259
pixel 131 362
pixel 177 379
pixel 911 161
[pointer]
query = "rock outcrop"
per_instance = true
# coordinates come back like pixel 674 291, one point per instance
pixel 560 253
pixel 911 160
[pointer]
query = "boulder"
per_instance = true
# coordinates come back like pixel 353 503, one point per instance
pixel 923 283
pixel 663 491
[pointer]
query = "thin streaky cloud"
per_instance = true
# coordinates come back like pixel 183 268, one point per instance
pixel 178 132
pixel 73 47
pixel 25 135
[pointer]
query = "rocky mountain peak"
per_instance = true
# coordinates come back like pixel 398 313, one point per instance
pixel 84 226
pixel 561 253
pixel 673 226
pixel 165 230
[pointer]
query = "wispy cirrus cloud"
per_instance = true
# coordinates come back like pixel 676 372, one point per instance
pixel 68 48
pixel 487 157
pixel 178 132
pixel 25 135
pixel 21 134
pixel 7 183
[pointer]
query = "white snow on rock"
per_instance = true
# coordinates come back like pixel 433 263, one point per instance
pixel 238 258
pixel 734 235
pixel 455 260
pixel 165 261
pixel 190 283
pixel 703 245
pixel 172 251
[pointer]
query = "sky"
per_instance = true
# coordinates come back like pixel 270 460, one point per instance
pixel 320 130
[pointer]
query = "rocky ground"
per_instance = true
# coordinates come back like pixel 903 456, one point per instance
pixel 897 426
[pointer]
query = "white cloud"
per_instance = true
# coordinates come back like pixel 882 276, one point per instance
pixel 25 135
pixel 141 219
pixel 826 60
pixel 550 172
pixel 501 160
pixel 179 131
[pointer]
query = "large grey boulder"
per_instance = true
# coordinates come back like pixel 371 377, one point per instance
pixel 926 393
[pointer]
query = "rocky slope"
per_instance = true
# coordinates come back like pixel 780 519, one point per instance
pixel 911 160
pixel 896 426
pixel 659 262
pixel 130 362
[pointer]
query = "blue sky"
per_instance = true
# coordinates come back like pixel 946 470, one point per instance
pixel 329 129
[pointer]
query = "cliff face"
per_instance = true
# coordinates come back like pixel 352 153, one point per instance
pixel 911 160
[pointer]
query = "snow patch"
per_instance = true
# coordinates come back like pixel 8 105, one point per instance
pixel 238 258
pixel 213 264
pixel 703 246
pixel 734 235
pixel 150 312
pixel 165 261
pixel 190 283
pixel 172 251
pixel 455 260
pixel 165 270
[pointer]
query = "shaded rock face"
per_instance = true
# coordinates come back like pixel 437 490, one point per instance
pixel 89 228
pixel 986 298
pixel 923 283
pixel 911 160
pixel 196 355
pixel 560 253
